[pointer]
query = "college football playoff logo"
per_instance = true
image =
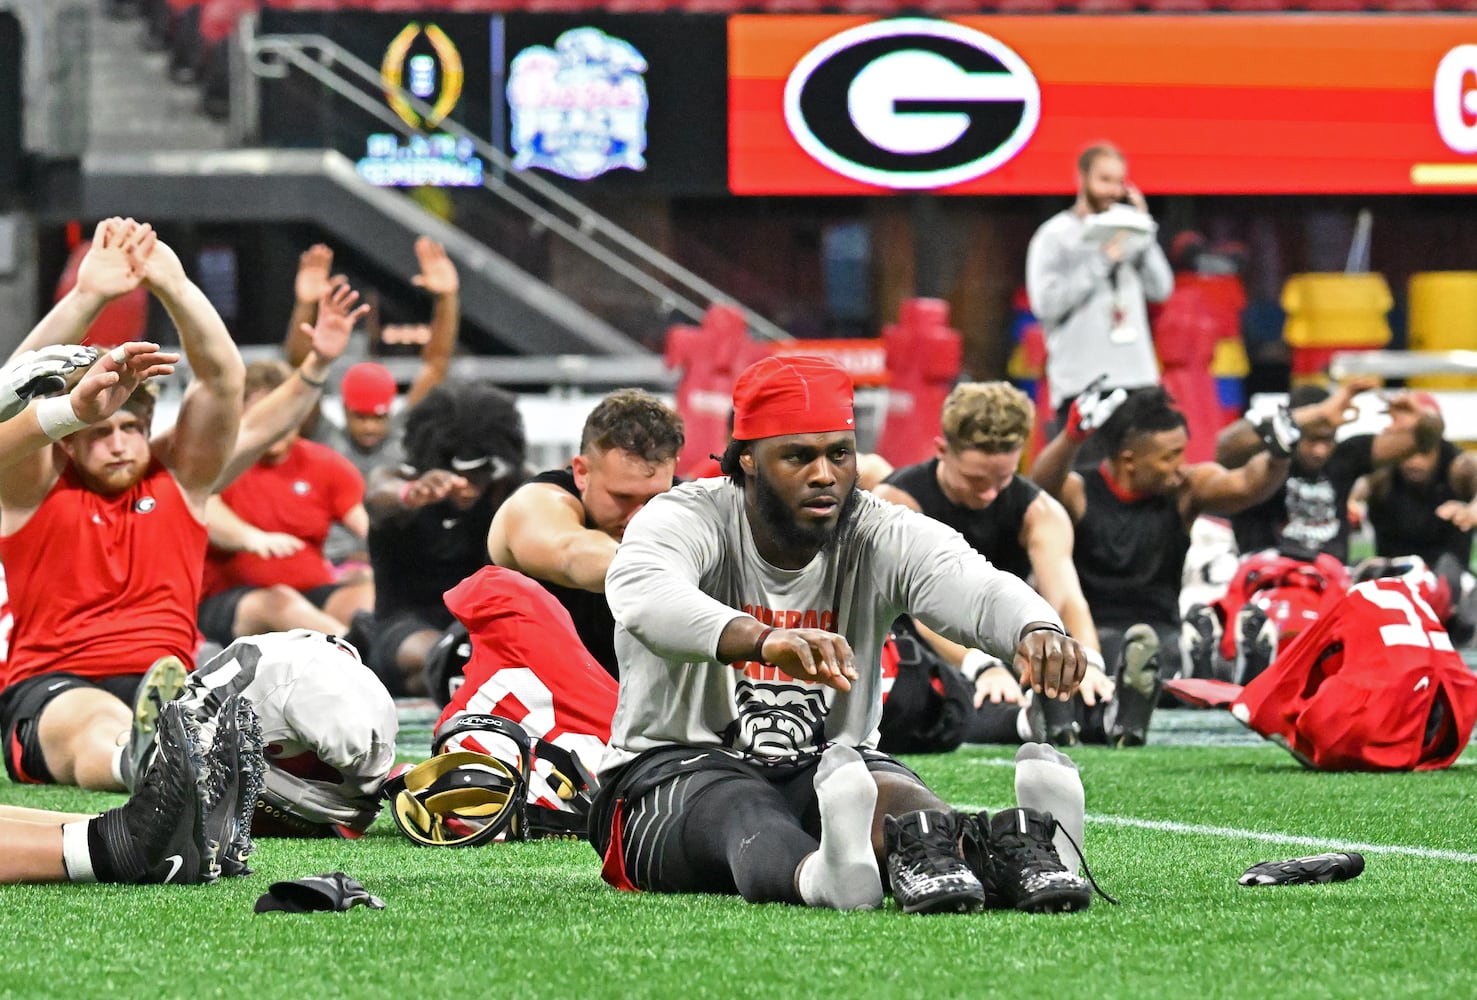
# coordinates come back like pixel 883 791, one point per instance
pixel 912 103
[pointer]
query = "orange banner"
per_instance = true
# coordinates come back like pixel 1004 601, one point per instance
pixel 1200 104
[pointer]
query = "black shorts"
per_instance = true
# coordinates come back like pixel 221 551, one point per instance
pixel 389 634
pixel 217 613
pixel 645 800
pixel 21 706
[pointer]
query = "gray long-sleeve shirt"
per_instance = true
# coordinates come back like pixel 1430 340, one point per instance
pixel 688 566
pixel 1092 312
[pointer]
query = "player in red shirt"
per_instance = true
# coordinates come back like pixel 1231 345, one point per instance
pixel 266 571
pixel 103 536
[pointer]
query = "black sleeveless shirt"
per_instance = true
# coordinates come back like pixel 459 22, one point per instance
pixel 423 553
pixel 1405 521
pixel 994 532
pixel 591 612
pixel 1130 555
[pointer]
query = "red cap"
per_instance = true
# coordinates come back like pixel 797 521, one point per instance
pixel 791 394
pixel 368 388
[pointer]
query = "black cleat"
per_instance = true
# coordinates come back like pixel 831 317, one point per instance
pixel 1257 645
pixel 235 774
pixel 1201 638
pixel 927 873
pixel 1053 721
pixel 162 683
pixel 158 835
pixel 1018 865
pixel 1337 867
pixel 1126 718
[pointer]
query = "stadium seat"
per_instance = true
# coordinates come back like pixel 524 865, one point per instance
pixel 1105 6
pixel 1027 6
pixel 1179 6
pixel 1331 6
pixel 791 6
pixel 1250 6
pixel 640 6
pixel 948 7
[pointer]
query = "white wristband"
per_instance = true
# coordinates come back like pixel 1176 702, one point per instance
pixel 57 418
pixel 1094 658
pixel 975 662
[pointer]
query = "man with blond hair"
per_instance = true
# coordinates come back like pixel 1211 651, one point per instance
pixel 971 484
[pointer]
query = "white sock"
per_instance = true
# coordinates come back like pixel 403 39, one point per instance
pixel 118 764
pixel 1046 780
pixel 75 856
pixel 842 874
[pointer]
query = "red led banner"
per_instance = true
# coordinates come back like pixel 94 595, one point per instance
pixel 1286 104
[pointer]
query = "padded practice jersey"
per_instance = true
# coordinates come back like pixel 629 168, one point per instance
pixel 688 566
pixel 103 586
pixel 1374 684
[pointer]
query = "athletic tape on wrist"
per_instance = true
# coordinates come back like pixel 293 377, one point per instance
pixel 57 418
pixel 1094 657
pixel 975 662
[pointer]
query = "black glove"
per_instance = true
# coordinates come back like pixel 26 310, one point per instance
pixel 1280 433
pixel 334 891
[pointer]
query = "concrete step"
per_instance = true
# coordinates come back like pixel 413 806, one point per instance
pixel 134 105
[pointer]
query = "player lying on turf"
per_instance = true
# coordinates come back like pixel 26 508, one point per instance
pixel 750 612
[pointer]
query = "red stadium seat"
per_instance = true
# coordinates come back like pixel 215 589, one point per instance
pixel 1105 6
pixel 638 6
pixel 792 6
pixel 1251 6
pixel 1179 6
pixel 1332 6
pixel 947 7
pixel 1409 6
pixel 1027 6
pixel 869 6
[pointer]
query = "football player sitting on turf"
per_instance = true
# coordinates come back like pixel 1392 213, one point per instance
pixel 428 521
pixel 750 613
pixel 104 535
pixel 972 485
pixel 1132 515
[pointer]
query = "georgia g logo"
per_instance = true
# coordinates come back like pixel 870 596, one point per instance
pixel 912 103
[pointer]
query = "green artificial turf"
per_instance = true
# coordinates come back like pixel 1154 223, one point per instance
pixel 534 920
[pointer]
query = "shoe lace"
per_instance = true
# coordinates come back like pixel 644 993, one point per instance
pixel 928 852
pixel 1083 857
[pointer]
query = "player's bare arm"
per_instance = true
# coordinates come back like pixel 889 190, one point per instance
pixel 312 282
pixel 204 433
pixel 540 531
pixel 1412 428
pixel 288 405
pixel 1462 511
pixel 1211 488
pixel 438 277
pixel 1047 535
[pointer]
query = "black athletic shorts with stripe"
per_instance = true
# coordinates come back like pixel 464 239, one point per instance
pixel 637 823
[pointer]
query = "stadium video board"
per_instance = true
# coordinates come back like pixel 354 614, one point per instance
pixel 10 102
pixel 442 59
pixel 619 103
pixel 1285 104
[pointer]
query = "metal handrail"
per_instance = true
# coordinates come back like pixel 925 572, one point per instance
pixel 316 55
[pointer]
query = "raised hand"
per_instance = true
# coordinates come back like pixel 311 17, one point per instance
pixel 1280 433
pixel 438 274
pixel 109 268
pixel 39 373
pixel 313 267
pixel 1092 408
pixel 336 318
pixel 156 262
pixel 114 377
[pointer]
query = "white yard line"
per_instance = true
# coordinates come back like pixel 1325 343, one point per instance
pixel 1238 833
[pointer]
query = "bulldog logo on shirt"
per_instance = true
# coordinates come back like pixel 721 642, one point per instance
pixel 300 487
pixel 144 504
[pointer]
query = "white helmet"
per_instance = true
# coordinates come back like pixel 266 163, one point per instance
pixel 328 728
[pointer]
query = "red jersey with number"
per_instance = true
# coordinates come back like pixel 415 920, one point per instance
pixel 103 586
pixel 1374 684
pixel 528 664
pixel 303 495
